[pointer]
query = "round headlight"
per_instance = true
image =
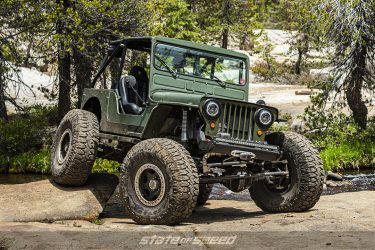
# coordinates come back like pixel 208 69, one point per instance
pixel 212 109
pixel 264 117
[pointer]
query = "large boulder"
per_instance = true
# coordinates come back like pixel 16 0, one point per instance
pixel 45 200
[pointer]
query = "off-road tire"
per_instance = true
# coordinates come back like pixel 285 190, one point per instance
pixel 83 128
pixel 204 193
pixel 306 173
pixel 181 181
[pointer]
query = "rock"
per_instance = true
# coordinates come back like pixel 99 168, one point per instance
pixel 325 73
pixel 333 176
pixel 47 201
pixel 298 126
pixel 303 92
pixel 331 184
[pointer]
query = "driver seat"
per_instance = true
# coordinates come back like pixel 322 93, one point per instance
pixel 125 89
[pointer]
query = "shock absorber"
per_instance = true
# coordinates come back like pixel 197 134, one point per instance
pixel 184 137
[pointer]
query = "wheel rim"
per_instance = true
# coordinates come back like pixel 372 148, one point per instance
pixel 64 146
pixel 149 185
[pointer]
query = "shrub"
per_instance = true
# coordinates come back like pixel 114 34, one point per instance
pixel 27 131
pixel 262 70
pixel 272 70
pixel 346 146
pixel 348 155
pixel 30 162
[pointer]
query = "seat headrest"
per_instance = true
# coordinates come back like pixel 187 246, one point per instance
pixel 129 81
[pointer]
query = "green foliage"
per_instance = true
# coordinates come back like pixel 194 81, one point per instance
pixel 318 114
pixel 105 166
pixel 348 155
pixel 29 162
pixel 262 70
pixel 24 140
pixel 173 19
pixel 282 126
pixel 97 222
pixel 343 144
pixel 26 131
pixel 346 146
pixel 271 70
pixel 236 17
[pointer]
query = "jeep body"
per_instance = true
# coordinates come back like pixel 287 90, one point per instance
pixel 171 95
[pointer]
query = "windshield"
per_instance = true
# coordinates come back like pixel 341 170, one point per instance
pixel 200 64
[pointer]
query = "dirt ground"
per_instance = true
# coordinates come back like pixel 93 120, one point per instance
pixel 340 221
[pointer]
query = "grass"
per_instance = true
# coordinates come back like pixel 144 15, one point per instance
pixel 28 162
pixel 348 156
pixel 106 166
pixel 39 163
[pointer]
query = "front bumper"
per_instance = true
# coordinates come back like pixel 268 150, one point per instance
pixel 262 151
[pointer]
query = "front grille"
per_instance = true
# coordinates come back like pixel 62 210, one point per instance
pixel 237 120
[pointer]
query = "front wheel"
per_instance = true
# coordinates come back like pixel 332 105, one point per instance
pixel 302 189
pixel 204 193
pixel 159 182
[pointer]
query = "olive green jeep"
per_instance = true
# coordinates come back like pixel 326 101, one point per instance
pixel 176 114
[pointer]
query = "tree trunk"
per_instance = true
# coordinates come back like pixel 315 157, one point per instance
pixel 354 88
pixel 83 72
pixel 64 101
pixel 224 41
pixel 297 67
pixel 3 109
pixel 26 61
pixel 302 48
pixel 63 65
pixel 226 22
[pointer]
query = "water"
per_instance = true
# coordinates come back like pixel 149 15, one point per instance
pixel 352 182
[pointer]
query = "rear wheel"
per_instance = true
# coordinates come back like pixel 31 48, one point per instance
pixel 159 182
pixel 74 148
pixel 302 189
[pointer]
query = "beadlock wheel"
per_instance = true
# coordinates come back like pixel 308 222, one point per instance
pixel 64 146
pixel 149 184
pixel 159 182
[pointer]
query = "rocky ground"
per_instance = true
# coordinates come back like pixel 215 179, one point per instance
pixel 40 199
pixel 341 221
pixel 345 220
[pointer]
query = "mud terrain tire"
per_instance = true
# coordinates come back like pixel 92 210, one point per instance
pixel 74 148
pixel 306 177
pixel 159 182
pixel 204 193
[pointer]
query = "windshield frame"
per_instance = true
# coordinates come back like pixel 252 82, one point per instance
pixel 224 56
